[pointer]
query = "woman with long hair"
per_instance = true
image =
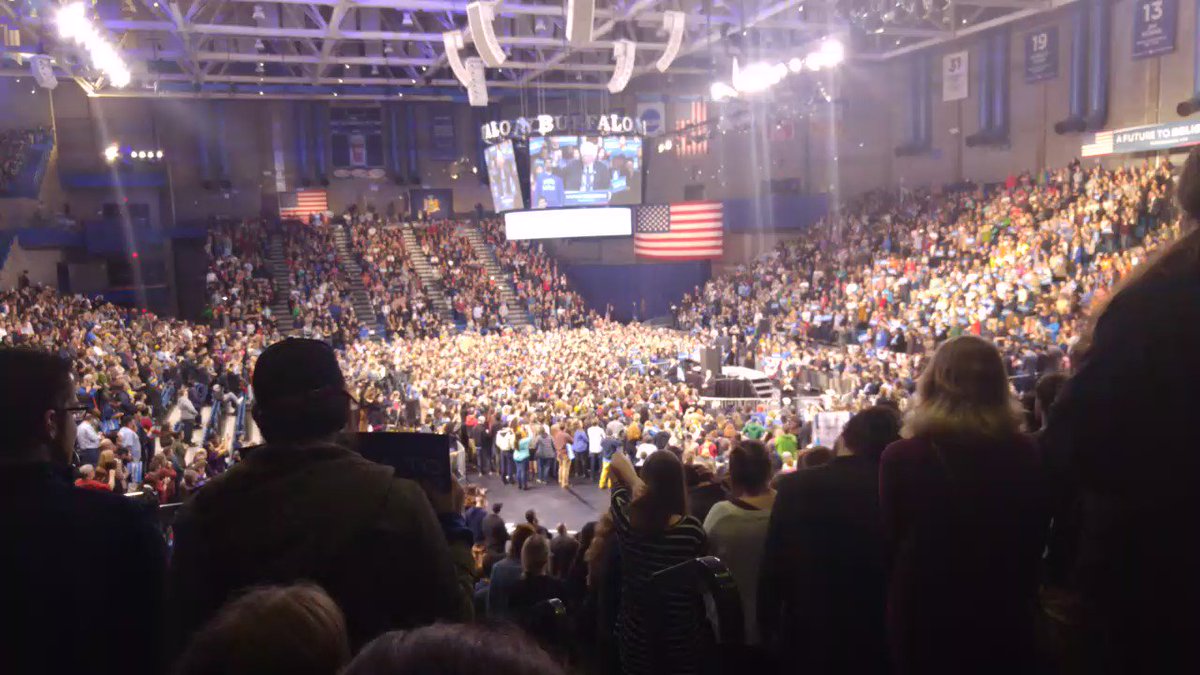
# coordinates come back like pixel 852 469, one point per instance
pixel 963 513
pixel 1122 446
pixel 658 622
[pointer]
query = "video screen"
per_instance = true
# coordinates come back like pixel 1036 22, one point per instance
pixel 585 171
pixel 502 176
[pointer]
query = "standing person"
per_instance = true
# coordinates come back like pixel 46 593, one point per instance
pixel 563 549
pixel 658 625
pixel 579 450
pixel 87 440
pixel 1137 552
pixel 822 595
pixel 963 511
pixel 545 453
pixel 188 415
pixel 521 461
pixel 609 447
pixel 562 449
pixel 505 444
pixel 58 537
pixel 487 443
pixel 536 584
pixel 128 440
pixel 373 541
pixel 595 437
pixel 506 573
pixel 737 527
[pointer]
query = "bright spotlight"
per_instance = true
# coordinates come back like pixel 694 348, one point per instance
pixel 72 21
pixel 111 153
pixel 721 91
pixel 158 154
pixel 833 52
pixel 796 65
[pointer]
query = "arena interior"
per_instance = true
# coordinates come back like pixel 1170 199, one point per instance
pixel 611 337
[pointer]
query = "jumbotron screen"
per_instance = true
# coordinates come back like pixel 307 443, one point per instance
pixel 585 171
pixel 502 177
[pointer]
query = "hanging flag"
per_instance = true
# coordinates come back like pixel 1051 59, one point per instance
pixel 692 130
pixel 302 203
pixel 688 231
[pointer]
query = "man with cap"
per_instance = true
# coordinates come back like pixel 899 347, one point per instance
pixel 304 507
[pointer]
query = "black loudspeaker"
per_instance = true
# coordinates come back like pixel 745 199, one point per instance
pixel 710 360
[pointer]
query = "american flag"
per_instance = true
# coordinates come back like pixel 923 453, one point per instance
pixel 687 231
pixel 302 203
pixel 694 141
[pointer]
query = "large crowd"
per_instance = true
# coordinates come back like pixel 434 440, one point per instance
pixel 936 535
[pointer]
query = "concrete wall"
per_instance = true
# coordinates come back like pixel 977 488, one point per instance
pixel 42 266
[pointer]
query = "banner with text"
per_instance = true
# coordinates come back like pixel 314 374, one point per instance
pixel 955 76
pixel 432 203
pixel 356 136
pixel 442 146
pixel 1154 27
pixel 1143 139
pixel 1041 55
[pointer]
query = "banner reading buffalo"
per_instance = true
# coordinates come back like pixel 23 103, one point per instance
pixel 431 202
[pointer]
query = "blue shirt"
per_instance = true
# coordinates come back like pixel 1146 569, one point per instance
pixel 549 187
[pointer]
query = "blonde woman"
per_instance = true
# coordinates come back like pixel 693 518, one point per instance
pixel 961 497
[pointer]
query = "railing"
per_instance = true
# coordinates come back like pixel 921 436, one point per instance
pixel 239 428
pixel 211 429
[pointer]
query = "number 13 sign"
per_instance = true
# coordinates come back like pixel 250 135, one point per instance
pixel 1154 27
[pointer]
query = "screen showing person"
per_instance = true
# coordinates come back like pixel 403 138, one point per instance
pixel 585 170
pixel 502 177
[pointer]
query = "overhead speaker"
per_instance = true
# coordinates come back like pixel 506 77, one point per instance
pixel 477 93
pixel 42 71
pixel 453 42
pixel 480 17
pixel 580 14
pixel 623 53
pixel 674 23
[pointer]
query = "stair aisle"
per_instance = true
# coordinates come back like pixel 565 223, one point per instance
pixel 283 284
pixel 429 278
pixel 358 293
pixel 518 315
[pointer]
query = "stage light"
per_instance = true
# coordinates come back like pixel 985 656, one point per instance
pixel 159 154
pixel 111 153
pixel 721 91
pixel 833 51
pixel 74 25
pixel 796 65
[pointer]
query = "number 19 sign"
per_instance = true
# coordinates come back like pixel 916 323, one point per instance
pixel 1154 27
pixel 1041 55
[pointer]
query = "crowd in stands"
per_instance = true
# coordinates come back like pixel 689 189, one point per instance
pixel 894 275
pixel 393 286
pixel 238 283
pixel 953 527
pixel 536 280
pixel 14 146
pixel 473 294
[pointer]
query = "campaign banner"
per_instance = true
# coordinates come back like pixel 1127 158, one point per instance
pixel 653 116
pixel 828 426
pixel 1041 55
pixel 955 82
pixel 356 136
pixel 1154 27
pixel 1145 138
pixel 434 203
pixel 442 146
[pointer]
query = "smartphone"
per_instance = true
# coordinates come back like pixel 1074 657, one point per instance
pixel 416 456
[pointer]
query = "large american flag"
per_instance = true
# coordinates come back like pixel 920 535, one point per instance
pixel 302 203
pixel 688 231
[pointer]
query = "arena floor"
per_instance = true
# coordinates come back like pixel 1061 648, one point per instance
pixel 579 504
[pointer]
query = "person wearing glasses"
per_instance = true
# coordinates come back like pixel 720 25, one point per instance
pixel 305 507
pixel 57 536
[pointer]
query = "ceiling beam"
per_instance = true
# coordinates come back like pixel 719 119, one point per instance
pixel 1004 19
pixel 599 32
pixel 332 35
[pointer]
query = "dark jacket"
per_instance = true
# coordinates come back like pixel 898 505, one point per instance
pixel 823 585
pixel 966 524
pixel 83 571
pixel 609 447
pixel 1122 441
pixel 320 513
pixel 702 497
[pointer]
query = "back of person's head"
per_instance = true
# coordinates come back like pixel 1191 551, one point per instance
pixel 35 387
pixel 750 468
pixel 299 392
pixel 519 534
pixel 964 394
pixel 816 456
pixel 284 630
pixel 697 473
pixel 535 556
pixel 665 494
pixel 871 430
pixel 531 517
pixel 496 507
pixel 454 649
pixel 1045 392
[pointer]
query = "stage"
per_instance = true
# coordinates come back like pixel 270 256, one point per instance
pixel 581 503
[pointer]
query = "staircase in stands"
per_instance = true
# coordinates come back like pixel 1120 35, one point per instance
pixel 518 314
pixel 283 284
pixel 429 278
pixel 358 293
